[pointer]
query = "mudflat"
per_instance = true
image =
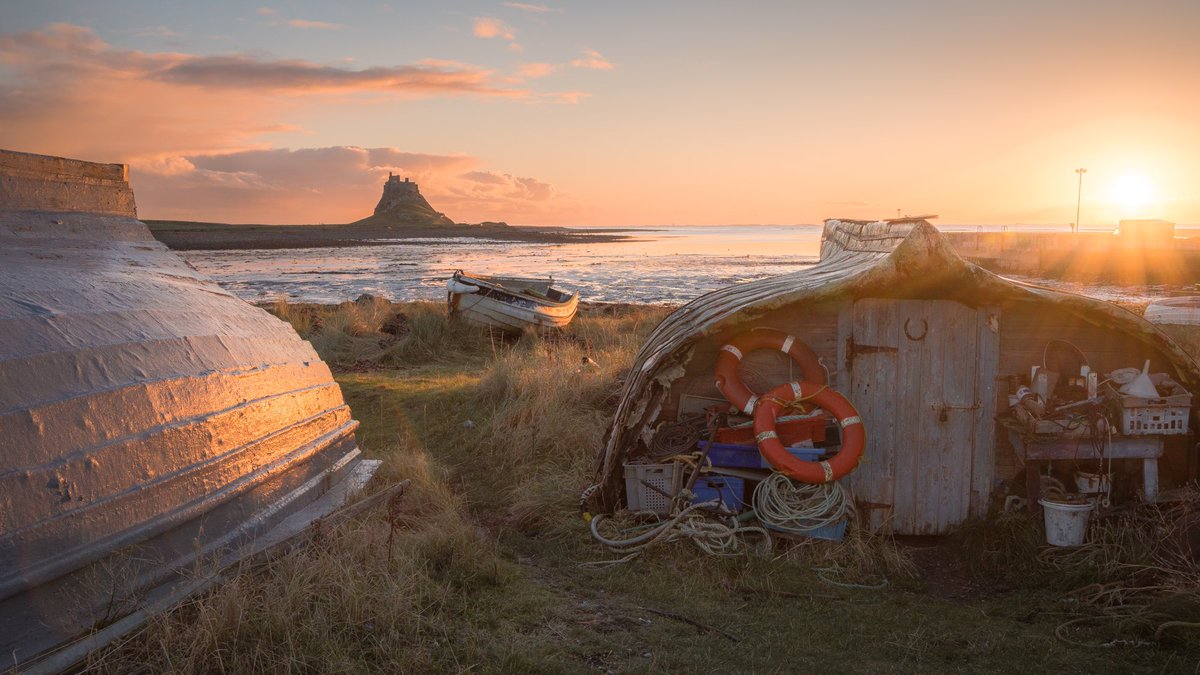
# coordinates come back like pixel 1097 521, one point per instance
pixel 191 236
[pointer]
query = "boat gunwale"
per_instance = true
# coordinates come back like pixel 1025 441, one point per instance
pixel 489 284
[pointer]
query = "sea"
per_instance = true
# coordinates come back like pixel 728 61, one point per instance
pixel 661 265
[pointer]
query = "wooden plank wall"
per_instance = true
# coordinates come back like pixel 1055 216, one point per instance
pixel 1025 327
pixel 815 325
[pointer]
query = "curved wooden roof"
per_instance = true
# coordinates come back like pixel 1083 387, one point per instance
pixel 148 418
pixel 903 259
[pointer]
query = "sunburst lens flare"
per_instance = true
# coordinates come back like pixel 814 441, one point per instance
pixel 1133 194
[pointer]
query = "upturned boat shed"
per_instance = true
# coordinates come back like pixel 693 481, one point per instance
pixel 927 347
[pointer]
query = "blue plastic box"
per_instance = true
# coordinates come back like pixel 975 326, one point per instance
pixel 748 457
pixel 834 532
pixel 730 490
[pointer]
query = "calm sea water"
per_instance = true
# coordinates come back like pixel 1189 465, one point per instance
pixel 660 265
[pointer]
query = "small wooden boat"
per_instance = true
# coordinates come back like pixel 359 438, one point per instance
pixel 510 304
pixel 152 424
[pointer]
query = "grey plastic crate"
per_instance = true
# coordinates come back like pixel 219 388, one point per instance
pixel 640 497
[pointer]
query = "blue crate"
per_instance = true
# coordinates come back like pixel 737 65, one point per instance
pixel 730 490
pixel 834 532
pixel 748 457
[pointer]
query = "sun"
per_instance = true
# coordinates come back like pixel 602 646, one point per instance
pixel 1133 194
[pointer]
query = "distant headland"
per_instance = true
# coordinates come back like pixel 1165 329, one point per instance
pixel 402 213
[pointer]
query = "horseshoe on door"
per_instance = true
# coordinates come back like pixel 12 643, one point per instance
pixel 916 338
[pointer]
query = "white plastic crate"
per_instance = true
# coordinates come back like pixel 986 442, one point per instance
pixel 1143 417
pixel 1167 415
pixel 639 496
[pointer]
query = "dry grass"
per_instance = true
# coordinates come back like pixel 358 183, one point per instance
pixel 1135 580
pixel 373 333
pixel 861 560
pixel 477 568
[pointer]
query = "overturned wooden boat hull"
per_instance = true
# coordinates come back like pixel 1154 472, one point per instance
pixel 510 304
pixel 921 342
pixel 150 422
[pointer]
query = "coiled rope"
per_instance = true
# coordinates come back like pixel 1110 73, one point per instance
pixel 719 536
pixel 678 437
pixel 800 508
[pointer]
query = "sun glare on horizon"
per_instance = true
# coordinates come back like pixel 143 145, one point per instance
pixel 1134 195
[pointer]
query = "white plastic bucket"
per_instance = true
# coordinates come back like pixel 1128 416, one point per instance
pixel 1093 483
pixel 1066 524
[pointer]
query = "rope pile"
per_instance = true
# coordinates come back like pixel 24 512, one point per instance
pixel 721 536
pixel 791 506
pixel 678 437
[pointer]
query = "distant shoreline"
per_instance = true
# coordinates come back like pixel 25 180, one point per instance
pixel 183 235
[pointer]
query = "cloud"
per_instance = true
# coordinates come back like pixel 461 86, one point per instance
pixel 535 70
pixel 592 59
pixel 327 185
pixel 320 25
pixel 266 11
pixel 247 72
pixel 488 27
pixel 526 7
pixel 197 130
pixel 65 91
pixel 64 54
pixel 493 185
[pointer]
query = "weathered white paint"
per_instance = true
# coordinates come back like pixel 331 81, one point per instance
pixel 918 376
pixel 511 304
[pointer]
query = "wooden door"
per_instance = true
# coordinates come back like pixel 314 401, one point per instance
pixel 922 375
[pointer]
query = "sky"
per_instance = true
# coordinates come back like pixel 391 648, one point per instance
pixel 620 113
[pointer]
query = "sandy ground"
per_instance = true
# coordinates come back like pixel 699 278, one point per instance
pixel 185 236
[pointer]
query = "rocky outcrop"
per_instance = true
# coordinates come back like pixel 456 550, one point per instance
pixel 403 204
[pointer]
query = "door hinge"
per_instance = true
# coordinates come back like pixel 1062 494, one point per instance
pixel 853 349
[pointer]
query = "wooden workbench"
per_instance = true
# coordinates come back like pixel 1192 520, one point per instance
pixel 1034 452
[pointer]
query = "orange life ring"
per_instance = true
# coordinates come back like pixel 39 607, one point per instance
pixel 854 436
pixel 730 383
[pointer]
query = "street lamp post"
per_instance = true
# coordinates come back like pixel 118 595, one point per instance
pixel 1078 198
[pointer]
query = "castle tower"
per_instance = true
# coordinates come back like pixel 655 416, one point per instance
pixel 403 203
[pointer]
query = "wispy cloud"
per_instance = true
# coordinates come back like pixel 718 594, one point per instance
pixel 531 71
pixel 489 27
pixel 266 11
pixel 318 25
pixel 592 59
pixel 527 7
pixel 66 54
pixel 246 72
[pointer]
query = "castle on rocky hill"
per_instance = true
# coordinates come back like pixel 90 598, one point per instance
pixel 403 203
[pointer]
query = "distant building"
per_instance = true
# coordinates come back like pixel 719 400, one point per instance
pixel 1146 231
pixel 403 204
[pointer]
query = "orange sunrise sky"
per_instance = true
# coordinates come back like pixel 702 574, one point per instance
pixel 620 113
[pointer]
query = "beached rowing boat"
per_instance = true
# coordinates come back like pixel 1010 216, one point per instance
pixel 511 304
pixel 153 427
